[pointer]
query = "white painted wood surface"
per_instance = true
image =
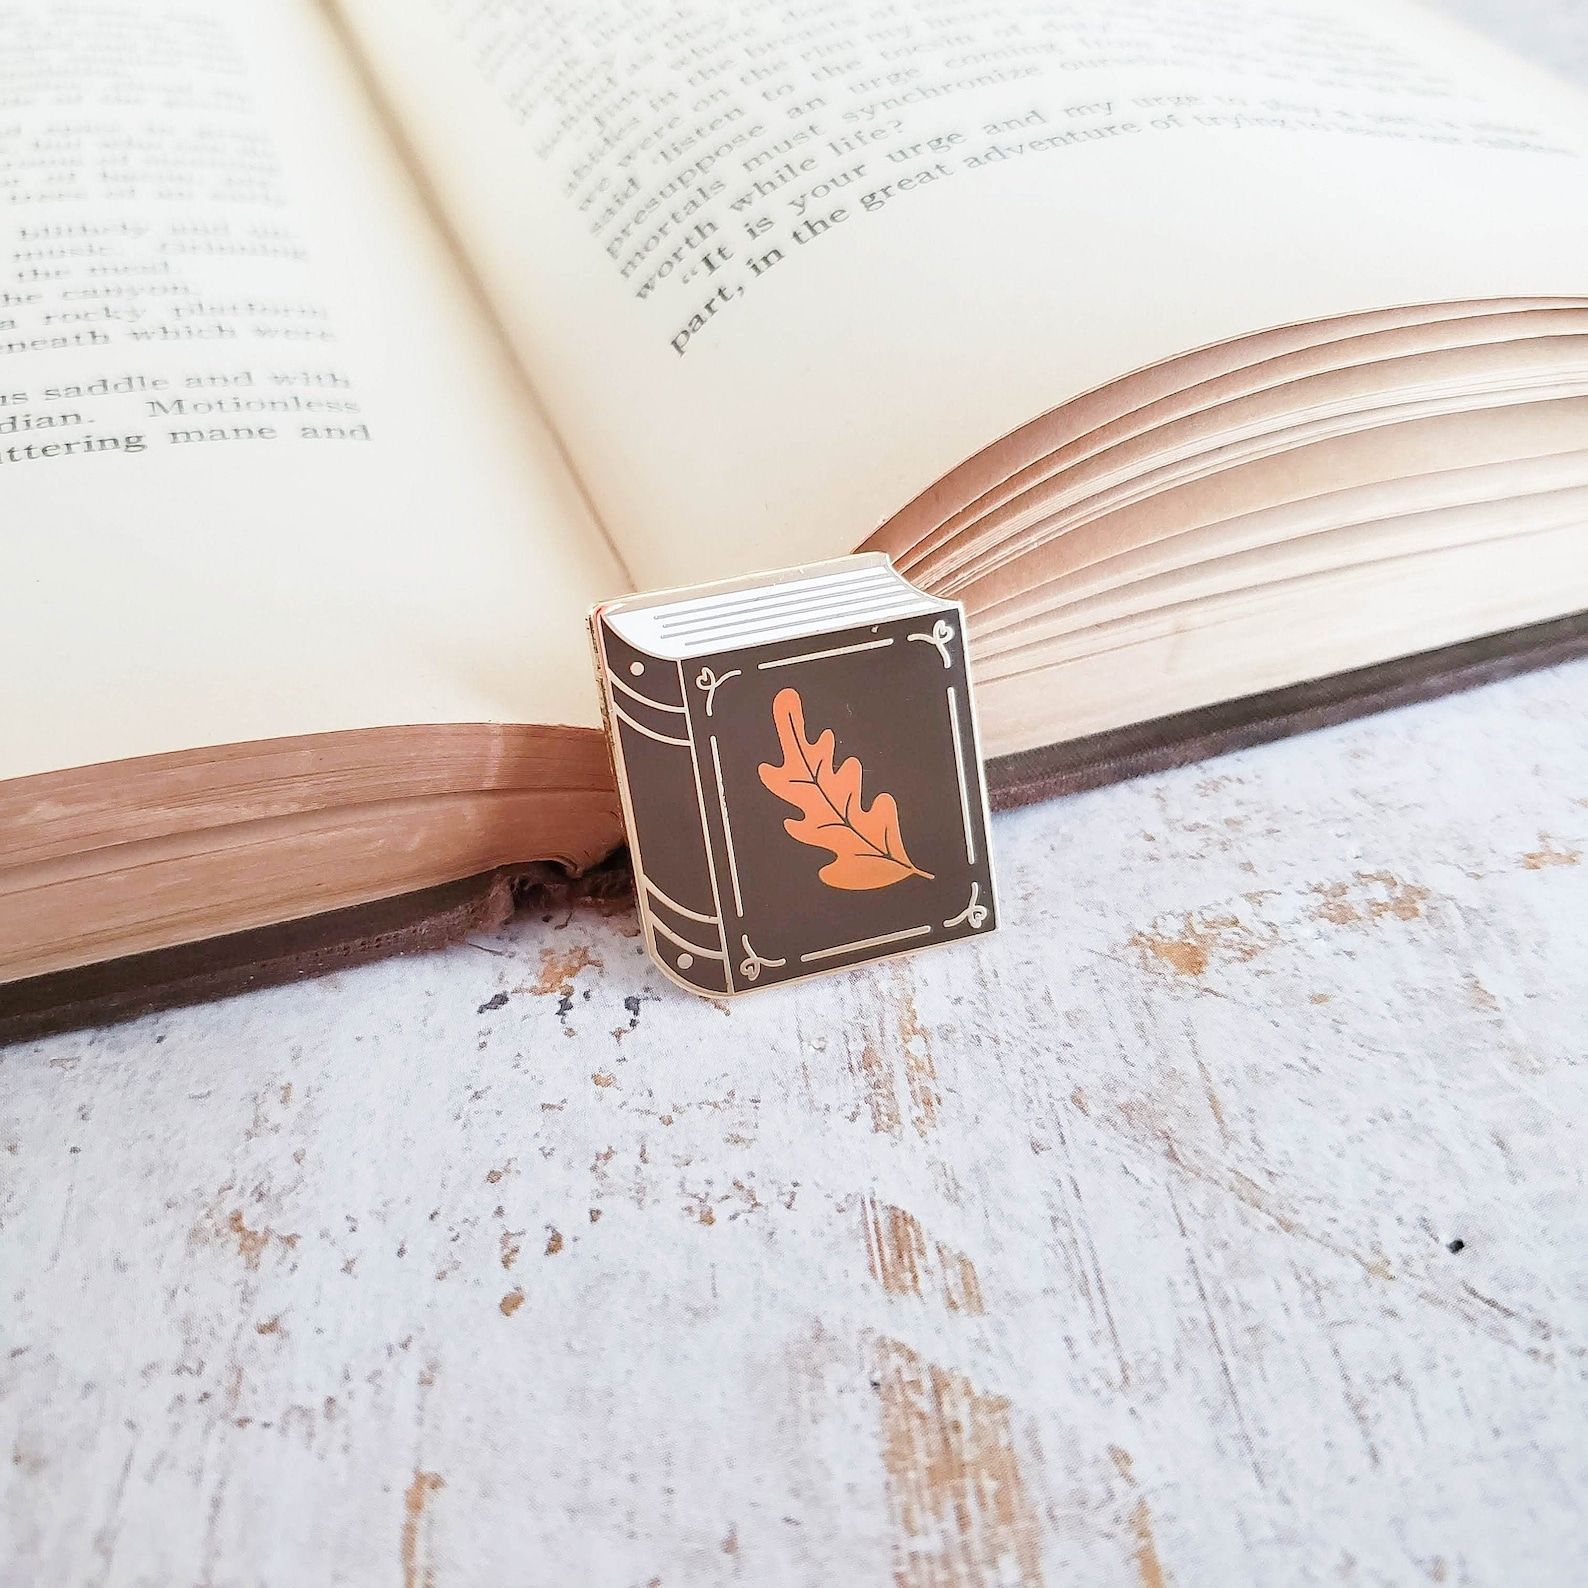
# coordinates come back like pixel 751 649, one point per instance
pixel 1220 1221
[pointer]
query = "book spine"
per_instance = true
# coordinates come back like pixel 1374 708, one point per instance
pixel 661 783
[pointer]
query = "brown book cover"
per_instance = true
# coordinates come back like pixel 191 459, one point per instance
pixel 799 773
pixel 139 984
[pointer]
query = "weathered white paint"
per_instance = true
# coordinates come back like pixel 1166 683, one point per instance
pixel 1115 1248
pixel 1111 1249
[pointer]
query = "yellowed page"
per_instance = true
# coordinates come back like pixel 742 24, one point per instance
pixel 1168 661
pixel 263 469
pixel 775 269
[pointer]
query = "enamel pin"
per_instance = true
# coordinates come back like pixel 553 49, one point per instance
pixel 797 759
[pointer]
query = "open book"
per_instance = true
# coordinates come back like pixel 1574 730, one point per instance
pixel 350 351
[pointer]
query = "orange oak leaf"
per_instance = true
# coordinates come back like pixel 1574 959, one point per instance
pixel 867 849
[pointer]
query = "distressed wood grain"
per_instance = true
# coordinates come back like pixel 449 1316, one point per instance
pixel 1219 1221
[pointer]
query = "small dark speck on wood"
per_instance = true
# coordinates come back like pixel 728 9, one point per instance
pixel 494 1002
pixel 1456 1245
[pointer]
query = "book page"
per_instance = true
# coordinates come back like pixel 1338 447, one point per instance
pixel 775 269
pixel 263 468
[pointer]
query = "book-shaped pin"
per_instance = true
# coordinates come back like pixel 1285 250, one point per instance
pixel 797 760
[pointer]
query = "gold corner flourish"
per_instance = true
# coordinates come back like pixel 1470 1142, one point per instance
pixel 942 636
pixel 975 912
pixel 711 682
pixel 751 966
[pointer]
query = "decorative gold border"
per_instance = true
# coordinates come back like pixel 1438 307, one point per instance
pixel 820 656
